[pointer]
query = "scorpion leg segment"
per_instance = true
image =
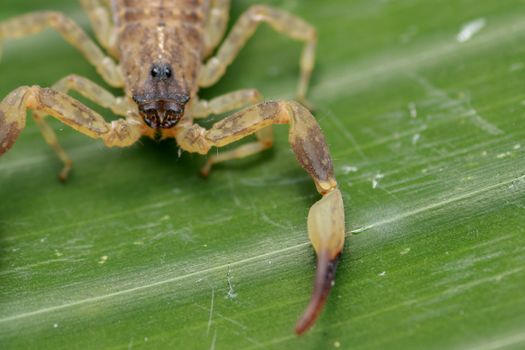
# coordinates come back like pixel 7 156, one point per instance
pixel 99 13
pixel 13 108
pixel 93 92
pixel 36 22
pixel 89 90
pixel 226 103
pixel 326 220
pixel 216 25
pixel 245 27
pixel 264 142
pixel 51 139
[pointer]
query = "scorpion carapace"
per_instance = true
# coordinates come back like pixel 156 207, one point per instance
pixel 160 53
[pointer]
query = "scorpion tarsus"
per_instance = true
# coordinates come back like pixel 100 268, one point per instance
pixel 324 280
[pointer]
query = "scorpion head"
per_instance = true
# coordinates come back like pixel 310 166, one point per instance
pixel 161 102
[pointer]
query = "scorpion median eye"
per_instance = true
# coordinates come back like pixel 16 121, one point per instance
pixel 167 72
pixel 155 72
pixel 161 72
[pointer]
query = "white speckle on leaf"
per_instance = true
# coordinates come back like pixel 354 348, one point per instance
pixel 231 292
pixel 146 339
pixel 42 240
pixel 470 29
pixel 347 169
pixel 415 139
pixel 57 253
pixel 55 325
pixel 404 251
pixel 516 67
pixel 375 181
pixel 517 146
pixel 274 71
pixel 103 259
pixel 412 109
pixel 484 153
pixel 382 273
pixel 360 229
pixel 503 155
pixel 517 184
pixel 337 344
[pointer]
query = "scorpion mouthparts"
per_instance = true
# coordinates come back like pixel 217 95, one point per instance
pixel 324 280
pixel 161 114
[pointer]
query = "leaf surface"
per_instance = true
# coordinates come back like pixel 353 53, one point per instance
pixel 422 103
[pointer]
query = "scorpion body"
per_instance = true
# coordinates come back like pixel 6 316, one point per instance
pixel 160 52
pixel 160 47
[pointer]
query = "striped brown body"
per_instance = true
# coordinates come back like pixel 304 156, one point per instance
pixel 160 44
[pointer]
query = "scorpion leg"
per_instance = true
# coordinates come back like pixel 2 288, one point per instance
pixel 36 22
pixel 89 90
pixel 282 22
pixel 13 108
pixel 226 103
pixel 99 13
pixel 216 26
pixel 264 142
pixel 326 227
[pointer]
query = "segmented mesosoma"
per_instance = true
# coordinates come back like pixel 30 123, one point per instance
pixel 161 52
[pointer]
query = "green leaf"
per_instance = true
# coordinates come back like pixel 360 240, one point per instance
pixel 423 106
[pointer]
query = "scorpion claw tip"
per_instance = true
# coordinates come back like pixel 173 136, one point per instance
pixel 324 281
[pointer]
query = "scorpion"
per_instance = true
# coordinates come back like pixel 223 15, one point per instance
pixel 160 52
